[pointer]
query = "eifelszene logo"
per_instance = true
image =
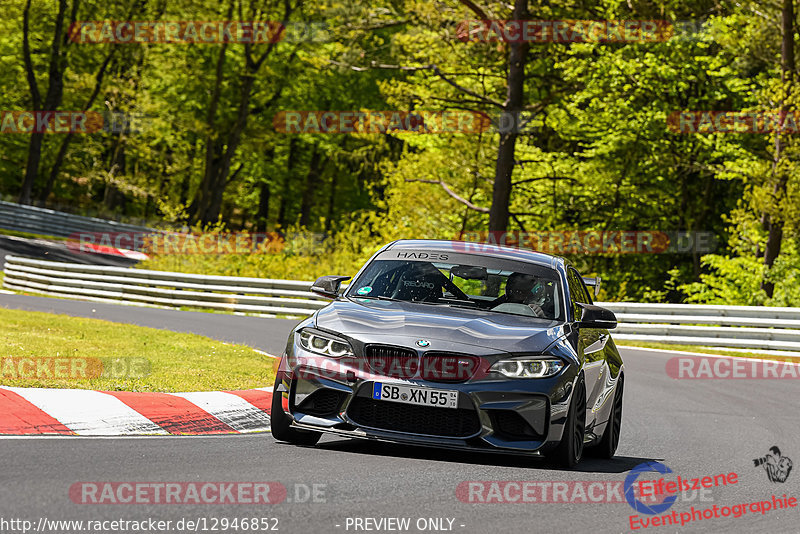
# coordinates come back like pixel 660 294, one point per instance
pixel 630 485
pixel 777 467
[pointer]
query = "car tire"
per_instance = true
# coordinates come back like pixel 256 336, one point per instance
pixel 608 444
pixel 569 451
pixel 280 424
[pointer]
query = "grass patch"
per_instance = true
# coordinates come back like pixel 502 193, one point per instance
pixel 28 235
pixel 704 350
pixel 176 361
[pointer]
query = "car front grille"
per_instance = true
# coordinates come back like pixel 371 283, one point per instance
pixel 396 362
pixel 384 415
pixel 448 367
pixel 400 362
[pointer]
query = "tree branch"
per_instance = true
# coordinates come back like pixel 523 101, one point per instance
pixel 475 9
pixel 436 70
pixel 569 178
pixel 453 194
pixel 464 90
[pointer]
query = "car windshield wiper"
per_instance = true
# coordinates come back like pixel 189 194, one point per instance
pixel 463 302
pixel 377 297
pixel 455 303
pixel 458 303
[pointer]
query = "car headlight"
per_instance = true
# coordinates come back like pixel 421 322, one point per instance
pixel 325 345
pixel 528 367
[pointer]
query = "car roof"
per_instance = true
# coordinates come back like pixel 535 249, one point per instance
pixel 482 249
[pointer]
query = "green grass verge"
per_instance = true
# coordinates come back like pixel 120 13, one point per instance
pixel 28 235
pixel 704 350
pixel 176 361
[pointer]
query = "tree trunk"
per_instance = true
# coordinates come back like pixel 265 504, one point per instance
pixel 312 184
pixel 775 224
pixel 291 163
pixel 222 148
pixel 504 168
pixel 262 217
pixel 62 150
pixel 201 201
pixel 331 203
pixel 55 90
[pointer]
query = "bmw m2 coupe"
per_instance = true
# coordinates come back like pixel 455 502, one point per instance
pixel 456 345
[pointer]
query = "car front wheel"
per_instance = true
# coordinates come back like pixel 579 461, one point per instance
pixel 608 444
pixel 281 424
pixel 569 451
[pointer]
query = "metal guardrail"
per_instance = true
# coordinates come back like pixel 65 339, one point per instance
pixel 750 327
pixel 160 288
pixel 35 220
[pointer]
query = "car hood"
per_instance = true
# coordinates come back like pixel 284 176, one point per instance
pixel 445 327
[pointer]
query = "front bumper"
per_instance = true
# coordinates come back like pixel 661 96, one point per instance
pixel 524 416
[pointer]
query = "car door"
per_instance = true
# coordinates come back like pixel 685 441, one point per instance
pixel 591 341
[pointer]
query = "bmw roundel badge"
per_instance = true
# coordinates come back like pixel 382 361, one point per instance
pixel 423 343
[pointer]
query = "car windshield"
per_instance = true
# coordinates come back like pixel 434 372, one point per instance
pixel 463 280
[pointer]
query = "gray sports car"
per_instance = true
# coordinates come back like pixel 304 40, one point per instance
pixel 457 345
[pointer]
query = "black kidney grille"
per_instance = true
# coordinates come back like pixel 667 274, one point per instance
pixel 395 362
pixel 448 367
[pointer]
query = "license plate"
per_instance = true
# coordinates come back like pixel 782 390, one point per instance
pixel 440 398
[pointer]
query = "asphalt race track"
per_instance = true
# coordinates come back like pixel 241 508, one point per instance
pixel 696 427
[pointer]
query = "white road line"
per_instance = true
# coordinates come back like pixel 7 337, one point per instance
pixel 89 413
pixel 231 409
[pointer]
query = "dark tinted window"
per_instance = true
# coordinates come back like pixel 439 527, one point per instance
pixel 484 283
pixel 577 292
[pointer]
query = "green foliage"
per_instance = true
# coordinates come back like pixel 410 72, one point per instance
pixel 598 155
pixel 304 256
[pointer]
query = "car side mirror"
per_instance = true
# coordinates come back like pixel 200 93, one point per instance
pixel 328 286
pixel 597 317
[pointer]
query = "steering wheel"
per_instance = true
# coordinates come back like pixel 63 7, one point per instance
pixel 537 310
pixel 530 310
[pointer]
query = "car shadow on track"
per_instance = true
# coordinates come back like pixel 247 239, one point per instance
pixel 618 464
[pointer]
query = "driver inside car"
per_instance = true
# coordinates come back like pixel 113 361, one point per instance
pixel 522 289
pixel 421 283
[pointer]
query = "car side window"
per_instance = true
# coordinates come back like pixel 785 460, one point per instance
pixel 587 294
pixel 577 292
